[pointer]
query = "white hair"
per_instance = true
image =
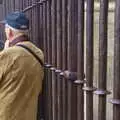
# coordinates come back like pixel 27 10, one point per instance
pixel 16 31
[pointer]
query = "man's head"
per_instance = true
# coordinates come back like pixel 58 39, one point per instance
pixel 16 23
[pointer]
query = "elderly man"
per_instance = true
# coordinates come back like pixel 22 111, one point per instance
pixel 21 71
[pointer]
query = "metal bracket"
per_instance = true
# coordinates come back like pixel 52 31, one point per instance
pixel 89 89
pixel 115 101
pixel 58 71
pixel 52 68
pixel 72 76
pixel 101 92
pixel 69 75
pixel 79 81
pixel 47 65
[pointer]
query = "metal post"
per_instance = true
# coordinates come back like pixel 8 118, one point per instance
pixel 17 5
pixel 47 111
pixel 80 60
pixel 37 25
pixel 116 85
pixel 49 45
pixel 64 54
pixel 4 8
pixel 40 28
pixel 59 58
pixel 45 31
pixel 101 91
pixel 21 5
pixel 8 7
pixel 12 5
pixel 72 60
pixel 49 31
pixel 54 58
pixel 49 101
pixel 54 31
pixel 33 24
pixel 29 13
pixel 46 57
pixel 89 59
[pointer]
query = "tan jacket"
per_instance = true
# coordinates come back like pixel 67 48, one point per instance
pixel 20 82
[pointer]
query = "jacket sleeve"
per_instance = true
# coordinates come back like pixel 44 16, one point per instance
pixel 5 63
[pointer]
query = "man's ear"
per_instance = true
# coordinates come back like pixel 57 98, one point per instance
pixel 10 34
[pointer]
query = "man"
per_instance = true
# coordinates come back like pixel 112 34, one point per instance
pixel 1 45
pixel 21 73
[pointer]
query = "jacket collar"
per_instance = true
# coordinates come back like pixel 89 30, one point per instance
pixel 18 39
